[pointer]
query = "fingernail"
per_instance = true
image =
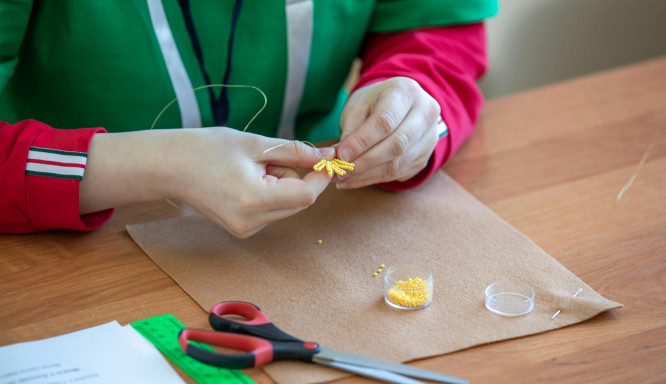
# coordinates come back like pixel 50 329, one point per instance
pixel 345 154
pixel 326 152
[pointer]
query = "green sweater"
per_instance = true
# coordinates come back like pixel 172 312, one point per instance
pixel 81 63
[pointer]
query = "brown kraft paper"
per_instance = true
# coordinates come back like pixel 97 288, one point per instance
pixel 326 292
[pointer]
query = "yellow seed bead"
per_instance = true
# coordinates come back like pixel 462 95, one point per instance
pixel 329 169
pixel 320 165
pixel 337 169
pixel 379 270
pixel 374 274
pixel 382 265
pixel 344 164
pixel 319 241
pixel 349 167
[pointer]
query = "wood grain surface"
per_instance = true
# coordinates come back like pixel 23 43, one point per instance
pixel 551 161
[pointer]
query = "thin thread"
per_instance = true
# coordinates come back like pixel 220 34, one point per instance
pixel 640 163
pixel 173 204
pixel 304 142
pixel 223 86
pixel 210 86
pixel 313 146
pixel 276 146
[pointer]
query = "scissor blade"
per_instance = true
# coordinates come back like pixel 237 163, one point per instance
pixel 353 359
pixel 377 374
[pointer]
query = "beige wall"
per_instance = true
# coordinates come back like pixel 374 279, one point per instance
pixel 536 42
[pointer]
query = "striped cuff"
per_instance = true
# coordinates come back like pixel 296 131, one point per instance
pixel 56 163
pixel 442 128
pixel 54 169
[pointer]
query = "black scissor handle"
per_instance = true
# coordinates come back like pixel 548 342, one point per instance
pixel 256 323
pixel 259 351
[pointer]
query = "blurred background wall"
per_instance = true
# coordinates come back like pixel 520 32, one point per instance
pixel 536 42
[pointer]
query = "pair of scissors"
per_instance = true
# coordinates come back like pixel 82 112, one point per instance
pixel 263 343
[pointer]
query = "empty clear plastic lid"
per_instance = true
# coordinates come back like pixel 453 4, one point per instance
pixel 509 298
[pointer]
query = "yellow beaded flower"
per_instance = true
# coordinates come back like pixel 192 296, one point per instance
pixel 336 165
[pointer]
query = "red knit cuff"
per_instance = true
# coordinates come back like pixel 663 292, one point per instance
pixel 54 169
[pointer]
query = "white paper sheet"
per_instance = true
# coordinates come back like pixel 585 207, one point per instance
pixel 108 353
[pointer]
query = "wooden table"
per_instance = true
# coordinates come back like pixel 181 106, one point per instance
pixel 551 162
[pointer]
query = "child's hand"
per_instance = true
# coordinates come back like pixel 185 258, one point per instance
pixel 223 173
pixel 389 130
pixel 230 179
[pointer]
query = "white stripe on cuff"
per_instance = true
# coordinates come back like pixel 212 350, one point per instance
pixel 56 169
pixel 57 158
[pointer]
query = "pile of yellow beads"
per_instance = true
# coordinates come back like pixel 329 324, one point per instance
pixel 410 293
pixel 338 166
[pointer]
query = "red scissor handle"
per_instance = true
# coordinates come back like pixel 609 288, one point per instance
pixel 260 351
pixel 256 323
pixel 256 335
pixel 249 311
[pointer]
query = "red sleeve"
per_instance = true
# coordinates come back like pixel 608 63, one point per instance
pixel 446 62
pixel 40 171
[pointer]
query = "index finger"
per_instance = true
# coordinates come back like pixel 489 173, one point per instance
pixel 387 115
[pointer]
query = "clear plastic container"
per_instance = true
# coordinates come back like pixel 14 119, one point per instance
pixel 510 298
pixel 408 286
